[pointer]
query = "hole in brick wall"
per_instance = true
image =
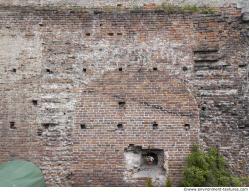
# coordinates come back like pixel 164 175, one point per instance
pixel 241 126
pixel 154 68
pixel 39 132
pixel 205 50
pixel 155 125
pixel 121 103
pixel 13 70
pixel 187 126
pixel 12 125
pixel 203 108
pixel 130 146
pixel 45 125
pixel 120 126
pixel 35 102
pixel 83 126
pixel 49 71
pixel 84 70
pixel 41 24
pixel 119 5
pixel 119 34
pixel 184 68
pixel 88 34
pixel 96 12
pixel 141 163
pixel 242 65
pixel 120 69
pixel 110 34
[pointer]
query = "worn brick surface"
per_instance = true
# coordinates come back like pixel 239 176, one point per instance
pixel 130 3
pixel 60 68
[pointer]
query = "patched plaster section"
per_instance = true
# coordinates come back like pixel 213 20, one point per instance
pixel 20 57
pixel 106 56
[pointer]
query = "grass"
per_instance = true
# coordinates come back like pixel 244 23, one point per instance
pixel 165 7
pixel 171 9
pixel 148 183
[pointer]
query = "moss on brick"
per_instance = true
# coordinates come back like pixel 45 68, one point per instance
pixel 187 8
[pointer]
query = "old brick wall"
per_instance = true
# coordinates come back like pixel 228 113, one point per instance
pixel 129 3
pixel 59 68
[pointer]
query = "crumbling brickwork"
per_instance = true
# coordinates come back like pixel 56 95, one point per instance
pixel 78 86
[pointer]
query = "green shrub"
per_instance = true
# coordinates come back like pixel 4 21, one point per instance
pixel 168 183
pixel 245 181
pixel 168 8
pixel 149 183
pixel 208 169
pixel 187 8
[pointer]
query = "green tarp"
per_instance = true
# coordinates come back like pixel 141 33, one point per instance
pixel 20 173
